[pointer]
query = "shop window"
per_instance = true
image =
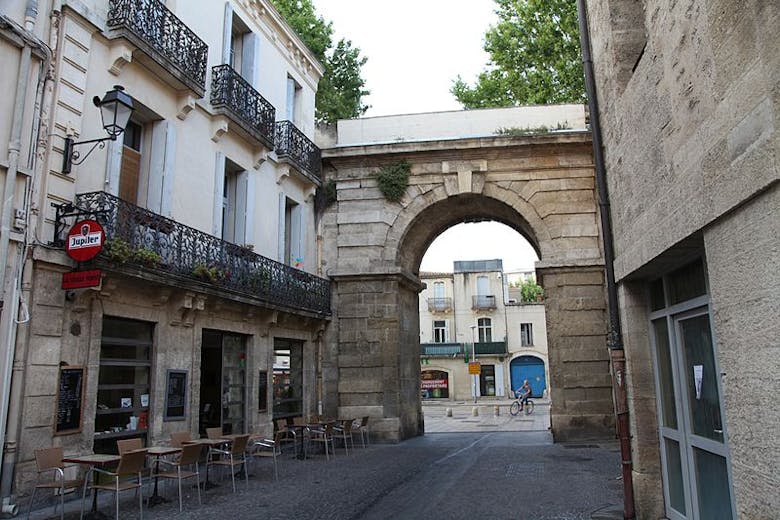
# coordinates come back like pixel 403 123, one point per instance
pixel 288 378
pixel 434 384
pixel 123 392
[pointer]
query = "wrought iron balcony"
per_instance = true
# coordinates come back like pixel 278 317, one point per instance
pixel 294 147
pixel 173 49
pixel 441 349
pixel 439 304
pixel 140 239
pixel 483 301
pixel 490 347
pixel 233 96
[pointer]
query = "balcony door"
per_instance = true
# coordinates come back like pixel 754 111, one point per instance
pixel 130 171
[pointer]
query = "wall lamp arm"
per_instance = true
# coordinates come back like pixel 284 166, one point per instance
pixel 71 156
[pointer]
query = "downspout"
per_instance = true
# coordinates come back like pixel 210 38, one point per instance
pixel 615 338
pixel 10 282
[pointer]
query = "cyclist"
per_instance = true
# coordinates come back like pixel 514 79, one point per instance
pixel 523 393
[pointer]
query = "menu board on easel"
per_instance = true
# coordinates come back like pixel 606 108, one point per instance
pixel 70 398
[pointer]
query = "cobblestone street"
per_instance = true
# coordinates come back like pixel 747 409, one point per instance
pixel 476 474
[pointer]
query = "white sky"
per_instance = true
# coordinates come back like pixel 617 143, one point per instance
pixel 415 50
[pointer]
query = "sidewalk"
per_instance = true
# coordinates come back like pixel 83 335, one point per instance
pixel 463 419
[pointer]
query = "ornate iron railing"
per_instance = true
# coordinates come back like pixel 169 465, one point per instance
pixel 294 146
pixel 144 239
pixel 231 93
pixel 441 349
pixel 439 304
pixel 161 30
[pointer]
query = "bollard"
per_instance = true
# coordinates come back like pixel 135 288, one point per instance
pixel 448 412
pixel 475 411
pixel 496 411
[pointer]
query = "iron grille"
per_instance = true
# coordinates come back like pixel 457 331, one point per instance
pixel 159 28
pixel 489 347
pixel 439 304
pixel 294 146
pixel 441 349
pixel 233 94
pixel 153 242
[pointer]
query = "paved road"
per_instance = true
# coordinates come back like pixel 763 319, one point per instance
pixel 496 475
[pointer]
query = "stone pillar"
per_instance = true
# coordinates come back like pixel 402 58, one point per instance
pixel 377 354
pixel 580 381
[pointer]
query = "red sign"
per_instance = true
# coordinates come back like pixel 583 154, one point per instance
pixel 428 384
pixel 85 240
pixel 81 279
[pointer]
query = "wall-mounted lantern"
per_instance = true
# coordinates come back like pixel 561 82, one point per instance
pixel 115 110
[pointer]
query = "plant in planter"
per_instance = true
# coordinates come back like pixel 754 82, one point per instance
pixel 147 257
pixel 393 180
pixel 117 251
pixel 209 273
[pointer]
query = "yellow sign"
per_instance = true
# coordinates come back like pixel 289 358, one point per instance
pixel 474 368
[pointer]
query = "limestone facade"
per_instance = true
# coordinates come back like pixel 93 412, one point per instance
pixel 689 101
pixel 540 185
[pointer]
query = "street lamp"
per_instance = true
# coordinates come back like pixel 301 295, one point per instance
pixel 474 359
pixel 115 110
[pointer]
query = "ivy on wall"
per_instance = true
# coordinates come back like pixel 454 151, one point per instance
pixel 393 180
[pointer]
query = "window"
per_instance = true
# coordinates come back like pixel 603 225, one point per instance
pixel 130 172
pixel 293 99
pixel 287 378
pixel 234 203
pixel 485 330
pixel 292 231
pixel 438 290
pixel 440 331
pixel 526 334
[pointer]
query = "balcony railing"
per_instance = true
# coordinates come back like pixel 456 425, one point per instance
pixel 439 304
pixel 153 28
pixel 490 347
pixel 483 301
pixel 441 349
pixel 233 96
pixel 294 147
pixel 143 239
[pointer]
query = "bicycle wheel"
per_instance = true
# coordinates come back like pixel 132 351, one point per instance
pixel 529 407
pixel 515 408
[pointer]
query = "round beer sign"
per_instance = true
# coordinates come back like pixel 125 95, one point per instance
pixel 85 240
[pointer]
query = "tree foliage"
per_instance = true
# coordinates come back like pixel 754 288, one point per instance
pixel 534 57
pixel 341 89
pixel 530 291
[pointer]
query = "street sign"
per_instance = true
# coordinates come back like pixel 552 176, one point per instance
pixel 81 279
pixel 85 240
pixel 474 368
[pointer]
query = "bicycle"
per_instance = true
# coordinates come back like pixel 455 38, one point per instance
pixel 516 407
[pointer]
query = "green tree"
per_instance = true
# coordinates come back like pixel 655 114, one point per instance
pixel 530 291
pixel 341 89
pixel 534 57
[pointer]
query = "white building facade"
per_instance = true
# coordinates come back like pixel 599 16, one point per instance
pixel 208 272
pixel 467 315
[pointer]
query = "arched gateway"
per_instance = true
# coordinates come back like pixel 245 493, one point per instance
pixel 543 187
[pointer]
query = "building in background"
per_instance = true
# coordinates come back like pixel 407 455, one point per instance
pixel 206 309
pixel 468 315
pixel 689 105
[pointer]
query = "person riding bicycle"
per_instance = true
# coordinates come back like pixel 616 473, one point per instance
pixel 523 393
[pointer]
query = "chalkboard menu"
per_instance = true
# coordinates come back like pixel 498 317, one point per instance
pixel 262 391
pixel 176 396
pixel 70 396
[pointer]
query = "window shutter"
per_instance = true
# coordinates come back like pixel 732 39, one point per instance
pixel 114 166
pixel 219 186
pixel 161 168
pixel 242 183
pixel 227 29
pixel 250 52
pixel 296 253
pixel 290 99
pixel 500 380
pixel 282 202
pixel 249 226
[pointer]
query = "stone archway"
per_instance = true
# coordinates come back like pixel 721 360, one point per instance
pixel 543 187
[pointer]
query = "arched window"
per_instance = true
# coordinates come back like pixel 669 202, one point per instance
pixel 485 326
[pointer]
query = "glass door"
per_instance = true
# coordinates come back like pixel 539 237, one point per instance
pixel 223 382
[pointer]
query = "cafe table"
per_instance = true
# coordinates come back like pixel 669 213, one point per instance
pixel 157 452
pixel 209 443
pixel 92 460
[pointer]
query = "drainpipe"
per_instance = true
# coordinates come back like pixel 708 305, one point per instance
pixel 615 339
pixel 9 282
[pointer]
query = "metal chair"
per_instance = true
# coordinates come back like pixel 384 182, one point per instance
pixel 343 430
pixel 362 429
pixel 50 460
pixel 266 448
pixel 131 464
pixel 234 456
pixel 324 436
pixel 190 453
